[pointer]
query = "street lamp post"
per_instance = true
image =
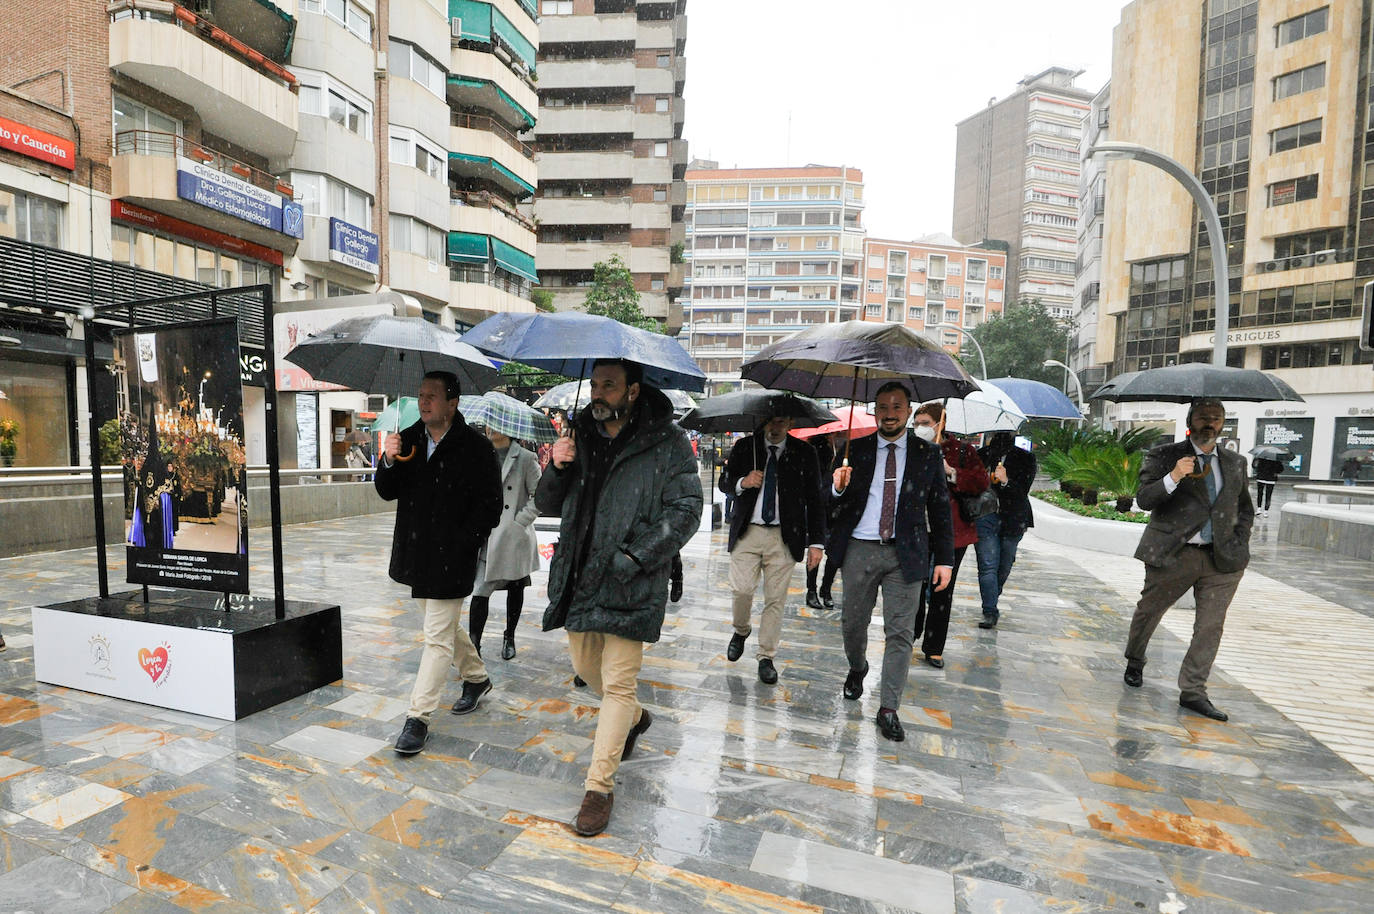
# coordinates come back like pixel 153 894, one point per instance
pixel 1215 238
pixel 968 336
pixel 1077 386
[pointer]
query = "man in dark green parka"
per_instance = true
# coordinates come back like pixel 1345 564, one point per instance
pixel 626 486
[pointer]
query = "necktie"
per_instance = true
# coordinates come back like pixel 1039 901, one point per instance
pixel 770 486
pixel 887 521
pixel 1207 477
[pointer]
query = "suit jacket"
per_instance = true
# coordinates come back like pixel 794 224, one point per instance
pixel 1174 518
pixel 800 508
pixel 922 503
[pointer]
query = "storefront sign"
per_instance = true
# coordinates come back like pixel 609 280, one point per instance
pixel 36 144
pixel 354 247
pixel 137 215
pixel 212 188
pixel 1293 434
pixel 252 366
pixel 182 445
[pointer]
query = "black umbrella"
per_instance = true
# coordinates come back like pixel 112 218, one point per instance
pixel 1271 452
pixel 1192 381
pixel 745 410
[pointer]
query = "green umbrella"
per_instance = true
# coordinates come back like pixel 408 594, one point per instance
pixel 511 418
pixel 403 412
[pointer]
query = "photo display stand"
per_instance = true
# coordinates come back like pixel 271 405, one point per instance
pixel 218 652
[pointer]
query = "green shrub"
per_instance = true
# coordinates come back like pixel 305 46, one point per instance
pixel 1101 511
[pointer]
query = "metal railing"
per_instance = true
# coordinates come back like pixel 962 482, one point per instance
pixel 171 145
pixel 486 199
pixel 491 125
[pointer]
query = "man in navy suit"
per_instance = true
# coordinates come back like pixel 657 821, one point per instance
pixel 779 516
pixel 881 507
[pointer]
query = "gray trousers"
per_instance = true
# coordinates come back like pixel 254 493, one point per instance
pixel 867 565
pixel 1212 591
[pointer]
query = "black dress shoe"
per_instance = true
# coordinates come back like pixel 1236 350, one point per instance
pixel 854 683
pixel 1204 707
pixel 937 662
pixel 813 600
pixel 675 591
pixel 413 736
pixel 735 649
pixel 767 674
pixel 507 647
pixel 579 682
pixel 988 621
pixel 1134 676
pixel 644 722
pixel 472 691
pixel 827 600
pixel 889 726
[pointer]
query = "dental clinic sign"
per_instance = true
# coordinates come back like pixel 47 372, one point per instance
pixel 36 144
pixel 211 187
pixel 354 247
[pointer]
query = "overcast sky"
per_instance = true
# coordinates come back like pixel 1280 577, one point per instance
pixel 874 84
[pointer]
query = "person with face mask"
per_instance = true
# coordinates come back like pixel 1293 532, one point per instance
pixel 999 532
pixel 779 519
pixel 965 475
pixel 1198 539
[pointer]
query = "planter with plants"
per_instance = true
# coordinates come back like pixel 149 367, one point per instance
pixel 9 445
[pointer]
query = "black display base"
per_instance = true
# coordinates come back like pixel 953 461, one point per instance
pixel 172 651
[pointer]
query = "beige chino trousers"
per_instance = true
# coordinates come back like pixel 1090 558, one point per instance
pixel 610 665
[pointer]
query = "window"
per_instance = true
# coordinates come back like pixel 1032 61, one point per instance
pixel 660 150
pixel 875 287
pixel 320 195
pixel 410 148
pixel 1309 243
pixel 951 317
pixel 161 134
pixel 416 237
pixel 345 12
pixel 1293 191
pixel 324 96
pixel 876 262
pixel 1307 133
pixel 916 314
pixel 660 195
pixel 917 288
pixel 184 259
pixel 25 217
pixel 661 106
pixel 1300 27
pixel 1304 80
pixel 664 60
pixel 406 60
pixel 935 267
pixel 994 272
pixel 873 311
pixel 556 8
pixel 977 270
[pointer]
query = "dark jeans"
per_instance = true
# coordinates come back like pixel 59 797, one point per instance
pixel 996 554
pixel 932 612
pixel 1264 491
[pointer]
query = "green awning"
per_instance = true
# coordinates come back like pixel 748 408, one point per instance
pixel 469 82
pixel 468 247
pixel 514 260
pixel 523 187
pixel 475 16
pixel 508 33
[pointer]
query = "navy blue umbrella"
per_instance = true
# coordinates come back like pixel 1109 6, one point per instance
pixel 1038 400
pixel 568 343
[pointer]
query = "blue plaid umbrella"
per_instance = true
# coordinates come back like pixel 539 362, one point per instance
pixel 510 417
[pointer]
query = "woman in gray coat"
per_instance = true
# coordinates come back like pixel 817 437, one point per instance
pixel 511 553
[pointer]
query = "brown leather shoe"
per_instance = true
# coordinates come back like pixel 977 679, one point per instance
pixel 644 721
pixel 595 813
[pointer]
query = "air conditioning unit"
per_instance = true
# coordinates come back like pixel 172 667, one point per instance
pixel 1302 260
pixel 1272 266
pixel 455 26
pixel 1321 257
pixel 375 404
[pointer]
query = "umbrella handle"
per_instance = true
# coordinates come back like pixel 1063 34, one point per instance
pixel 402 458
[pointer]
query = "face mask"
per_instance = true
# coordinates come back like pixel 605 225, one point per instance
pixel 924 432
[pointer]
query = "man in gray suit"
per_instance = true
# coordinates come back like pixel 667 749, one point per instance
pixel 1198 538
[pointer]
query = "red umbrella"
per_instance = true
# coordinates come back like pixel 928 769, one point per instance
pixel 857 421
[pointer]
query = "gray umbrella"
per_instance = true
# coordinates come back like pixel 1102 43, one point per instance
pixel 1271 452
pixel 1192 381
pixel 745 410
pixel 390 355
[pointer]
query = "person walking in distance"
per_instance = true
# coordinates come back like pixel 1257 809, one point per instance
pixel 819 597
pixel 965 475
pixel 627 490
pixel 779 518
pixel 447 485
pixel 511 552
pixel 1198 539
pixel 1267 472
pixel 999 533
pixel 881 507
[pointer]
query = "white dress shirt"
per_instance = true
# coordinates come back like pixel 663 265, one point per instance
pixel 1215 467
pixel 868 526
pixel 757 516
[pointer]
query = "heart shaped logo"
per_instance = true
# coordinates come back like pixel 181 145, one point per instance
pixel 154 663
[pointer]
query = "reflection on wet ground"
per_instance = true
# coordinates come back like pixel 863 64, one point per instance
pixel 1031 779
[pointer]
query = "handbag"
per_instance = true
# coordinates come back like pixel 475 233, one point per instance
pixel 972 507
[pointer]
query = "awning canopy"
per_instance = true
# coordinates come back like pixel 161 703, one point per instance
pixel 483 93
pixel 476 19
pixel 514 260
pixel 491 170
pixel 511 36
pixel 468 247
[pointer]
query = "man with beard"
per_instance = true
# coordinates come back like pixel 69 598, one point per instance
pixel 1198 538
pixel 881 507
pixel 776 483
pixel 626 487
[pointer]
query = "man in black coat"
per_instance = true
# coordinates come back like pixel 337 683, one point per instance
pixel 447 483
pixel 1198 539
pixel 879 515
pixel 778 518
pixel 999 533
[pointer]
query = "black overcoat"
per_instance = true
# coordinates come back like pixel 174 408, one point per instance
pixel 801 512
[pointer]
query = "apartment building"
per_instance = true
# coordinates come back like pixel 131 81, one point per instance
pixel 611 154
pixel 934 285
pixel 1268 102
pixel 1016 174
pixel 769 251
pixel 1091 227
pixel 334 149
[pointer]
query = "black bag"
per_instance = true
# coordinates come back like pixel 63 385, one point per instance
pixel 972 507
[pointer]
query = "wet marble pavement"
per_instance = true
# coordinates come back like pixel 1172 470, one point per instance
pixel 1031 779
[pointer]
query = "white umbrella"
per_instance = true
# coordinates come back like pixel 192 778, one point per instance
pixel 573 393
pixel 986 410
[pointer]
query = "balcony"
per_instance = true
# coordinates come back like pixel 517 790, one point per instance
pixel 259 24
pixel 596 73
pixel 586 119
pixel 620 27
pixel 489 220
pixel 145 171
pixel 480 80
pixel 584 210
pixel 474 301
pixel 485 200
pixel 581 255
pixel 238 93
pixel 565 166
pixel 481 151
